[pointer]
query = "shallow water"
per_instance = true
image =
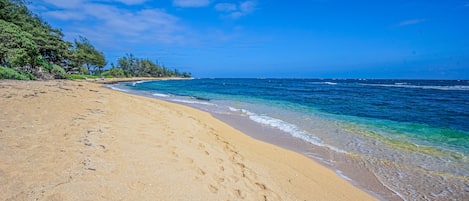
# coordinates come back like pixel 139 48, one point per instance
pixel 411 135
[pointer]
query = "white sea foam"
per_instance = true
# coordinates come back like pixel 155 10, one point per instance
pixel 138 82
pixel 312 155
pixel 161 95
pixel 192 102
pixel 405 85
pixel 285 127
pixel 390 188
pixel 116 88
pixel 342 175
pixel 328 83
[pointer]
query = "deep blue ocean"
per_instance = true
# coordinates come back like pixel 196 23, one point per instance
pixel 420 127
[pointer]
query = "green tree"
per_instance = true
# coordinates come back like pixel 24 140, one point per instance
pixel 85 54
pixel 136 67
pixel 27 43
pixel 17 47
pixel 127 63
pixel 30 44
pixel 48 40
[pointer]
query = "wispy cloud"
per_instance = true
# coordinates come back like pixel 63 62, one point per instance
pixel 236 11
pixel 466 5
pixel 191 3
pixel 104 23
pixel 132 2
pixel 66 4
pixel 226 7
pixel 65 15
pixel 78 3
pixel 410 22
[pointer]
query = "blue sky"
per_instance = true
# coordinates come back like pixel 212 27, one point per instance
pixel 260 38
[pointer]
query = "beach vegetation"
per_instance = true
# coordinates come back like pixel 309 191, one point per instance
pixel 28 44
pixel 58 72
pixel 83 77
pixel 9 73
pixel 114 72
pixel 85 55
pixel 31 48
pixel 138 67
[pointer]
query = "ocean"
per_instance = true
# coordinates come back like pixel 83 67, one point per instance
pixel 396 139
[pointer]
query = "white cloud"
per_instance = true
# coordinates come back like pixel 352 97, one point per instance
pixel 226 7
pixel 132 2
pixel 191 3
pixel 65 15
pixel 149 24
pixel 105 23
pixel 236 11
pixel 247 6
pixel 66 4
pixel 410 22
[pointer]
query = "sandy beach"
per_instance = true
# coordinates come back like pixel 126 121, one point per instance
pixel 70 140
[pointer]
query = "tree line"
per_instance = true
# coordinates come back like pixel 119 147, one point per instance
pixel 32 49
pixel 129 66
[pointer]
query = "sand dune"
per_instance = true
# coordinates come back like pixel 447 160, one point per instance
pixel 65 140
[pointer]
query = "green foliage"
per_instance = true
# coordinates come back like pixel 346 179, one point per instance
pixel 77 77
pixel 186 75
pixel 82 77
pixel 85 54
pixel 16 46
pixel 27 43
pixel 9 73
pixel 84 71
pixel 114 72
pixel 58 72
pixel 47 39
pixel 136 67
pixel 30 46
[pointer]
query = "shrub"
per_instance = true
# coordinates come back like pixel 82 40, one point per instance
pixel 58 72
pixel 9 73
pixel 113 72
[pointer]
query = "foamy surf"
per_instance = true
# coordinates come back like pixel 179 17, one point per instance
pixel 286 127
pixel 405 85
pixel 161 95
pixel 139 82
pixel 117 88
pixel 326 83
pixel 192 102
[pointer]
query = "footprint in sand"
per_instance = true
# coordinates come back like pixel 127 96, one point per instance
pixel 213 189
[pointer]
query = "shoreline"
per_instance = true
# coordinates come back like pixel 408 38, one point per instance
pixel 353 172
pixel 63 140
pixel 390 153
pixel 357 175
pixel 132 79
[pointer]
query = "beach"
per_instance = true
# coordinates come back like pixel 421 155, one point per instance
pixel 70 140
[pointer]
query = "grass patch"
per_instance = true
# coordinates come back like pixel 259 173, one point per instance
pixel 82 77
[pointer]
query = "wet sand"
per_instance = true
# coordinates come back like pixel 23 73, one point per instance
pixel 66 140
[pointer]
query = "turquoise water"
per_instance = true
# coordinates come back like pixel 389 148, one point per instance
pixel 413 135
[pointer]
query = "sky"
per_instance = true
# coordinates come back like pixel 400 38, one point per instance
pixel 407 39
